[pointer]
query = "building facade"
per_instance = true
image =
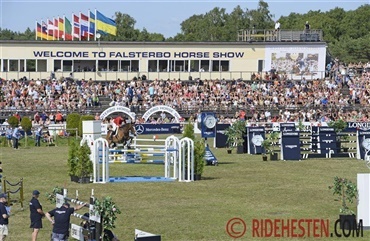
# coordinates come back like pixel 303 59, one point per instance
pixel 107 61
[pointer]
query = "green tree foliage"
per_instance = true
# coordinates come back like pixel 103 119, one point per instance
pixel 84 166
pixel 72 158
pixel 13 121
pixel 347 32
pixel 189 131
pixel 26 124
pixel 73 121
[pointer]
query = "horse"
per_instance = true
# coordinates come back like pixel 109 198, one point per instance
pixel 124 136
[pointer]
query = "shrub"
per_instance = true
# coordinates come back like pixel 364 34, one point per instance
pixel 13 121
pixel 73 120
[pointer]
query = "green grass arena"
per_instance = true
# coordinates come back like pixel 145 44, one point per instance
pixel 241 186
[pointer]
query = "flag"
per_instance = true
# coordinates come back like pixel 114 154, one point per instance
pixel 92 25
pixel 76 27
pixel 44 29
pixel 61 28
pixel 104 24
pixel 67 29
pixel 38 30
pixel 84 23
pixel 51 30
pixel 56 32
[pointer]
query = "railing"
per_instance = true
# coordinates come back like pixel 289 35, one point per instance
pixel 268 35
pixel 126 76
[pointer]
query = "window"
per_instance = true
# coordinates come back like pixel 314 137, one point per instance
pixel 204 64
pixel 225 65
pixel 22 61
pixel 67 65
pixel 30 65
pixel 179 65
pixel 130 65
pixel 113 65
pixel 163 65
pixel 261 65
pixel 41 65
pixel 1 65
pixel 5 65
pixel 194 65
pixel 13 65
pixel 102 65
pixel 57 65
pixel 152 66
pixel 215 65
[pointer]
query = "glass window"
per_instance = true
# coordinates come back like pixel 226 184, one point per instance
pixel 225 65
pixel 216 65
pixel 194 65
pixel 152 66
pixel 102 65
pixel 41 65
pixel 163 65
pixel 1 65
pixel 135 65
pixel 5 64
pixel 22 69
pixel 113 65
pixel 261 65
pixel 57 65
pixel 30 65
pixel 13 65
pixel 179 65
pixel 125 65
pixel 67 65
pixel 204 64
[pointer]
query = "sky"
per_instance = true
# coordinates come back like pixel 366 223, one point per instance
pixel 162 17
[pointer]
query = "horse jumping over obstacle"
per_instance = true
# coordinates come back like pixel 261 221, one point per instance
pixel 124 136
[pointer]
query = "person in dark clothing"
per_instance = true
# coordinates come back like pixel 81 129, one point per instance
pixel 36 214
pixel 4 216
pixel 61 221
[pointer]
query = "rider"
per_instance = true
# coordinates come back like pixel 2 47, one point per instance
pixel 116 124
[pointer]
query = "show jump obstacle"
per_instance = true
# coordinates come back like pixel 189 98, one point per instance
pixel 178 157
pixel 94 228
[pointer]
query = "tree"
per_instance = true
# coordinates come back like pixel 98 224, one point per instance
pixel 26 124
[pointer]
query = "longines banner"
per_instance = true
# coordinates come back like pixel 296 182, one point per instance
pixel 144 129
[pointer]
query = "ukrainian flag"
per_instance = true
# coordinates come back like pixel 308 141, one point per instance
pixel 105 24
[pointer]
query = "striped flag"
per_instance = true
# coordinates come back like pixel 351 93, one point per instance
pixel 84 23
pixel 56 32
pixel 51 30
pixel 44 29
pixel 76 27
pixel 92 25
pixel 61 28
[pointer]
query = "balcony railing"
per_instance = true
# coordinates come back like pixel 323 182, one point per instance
pixel 268 35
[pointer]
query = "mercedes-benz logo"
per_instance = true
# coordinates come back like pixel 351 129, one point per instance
pixel 139 129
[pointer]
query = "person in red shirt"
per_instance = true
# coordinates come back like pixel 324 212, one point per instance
pixel 116 123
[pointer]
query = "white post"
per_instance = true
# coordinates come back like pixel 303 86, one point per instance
pixel 186 150
pixel 101 156
pixel 363 206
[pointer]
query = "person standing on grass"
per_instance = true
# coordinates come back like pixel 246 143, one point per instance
pixel 38 135
pixel 16 135
pixel 4 216
pixel 61 221
pixel 36 214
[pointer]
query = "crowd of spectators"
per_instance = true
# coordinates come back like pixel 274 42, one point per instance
pixel 307 100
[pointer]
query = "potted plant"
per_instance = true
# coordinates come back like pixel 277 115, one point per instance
pixel 199 160
pixel 346 192
pixel 339 125
pixel 72 161
pixel 235 135
pixel 274 138
pixel 84 166
pixel 266 148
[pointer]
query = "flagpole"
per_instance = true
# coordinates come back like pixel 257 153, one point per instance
pixel 96 25
pixel 79 24
pixel 64 27
pixel 58 29
pixel 73 27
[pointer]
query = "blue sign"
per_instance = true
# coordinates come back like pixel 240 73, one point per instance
pixel 221 138
pixel 290 147
pixel 256 135
pixel 208 124
pixel 144 129
pixel 210 158
pixel 354 126
pixel 287 127
pixel 327 140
